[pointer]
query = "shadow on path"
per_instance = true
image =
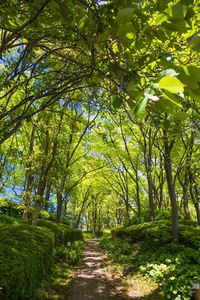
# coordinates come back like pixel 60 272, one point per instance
pixel 91 281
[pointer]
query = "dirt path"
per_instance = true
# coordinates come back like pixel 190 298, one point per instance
pixel 91 281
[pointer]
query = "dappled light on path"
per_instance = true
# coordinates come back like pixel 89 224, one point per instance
pixel 91 280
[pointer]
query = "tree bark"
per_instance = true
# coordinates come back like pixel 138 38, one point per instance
pixel 47 196
pixel 30 179
pixel 59 206
pixel 171 188
pixel 148 165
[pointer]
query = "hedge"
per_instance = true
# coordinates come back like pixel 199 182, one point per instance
pixel 159 232
pixel 26 255
pixel 63 233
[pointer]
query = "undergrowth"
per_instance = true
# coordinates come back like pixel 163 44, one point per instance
pixel 148 250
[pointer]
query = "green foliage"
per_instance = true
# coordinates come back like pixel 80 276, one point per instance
pixel 190 236
pixel 172 265
pixel 44 215
pixel 158 231
pixel 91 234
pixel 52 217
pixel 171 84
pixel 26 255
pixel 5 219
pixel 137 220
pixel 11 208
pixel 63 233
pixel 72 253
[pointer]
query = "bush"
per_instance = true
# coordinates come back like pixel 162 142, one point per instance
pixel 72 254
pixel 158 231
pixel 44 214
pixel 26 255
pixel 98 234
pixel 10 208
pixel 5 219
pixel 152 252
pixel 63 233
pixel 190 235
pixel 137 220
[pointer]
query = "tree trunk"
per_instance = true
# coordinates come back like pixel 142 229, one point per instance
pixel 138 194
pixel 30 179
pixel 147 151
pixel 59 206
pixel 194 196
pixel 38 199
pixel 197 208
pixel 47 196
pixel 171 188
pixel 27 199
pixel 185 205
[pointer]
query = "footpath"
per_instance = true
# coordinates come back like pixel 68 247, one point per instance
pixel 91 281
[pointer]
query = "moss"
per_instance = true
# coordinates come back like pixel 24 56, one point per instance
pixel 26 255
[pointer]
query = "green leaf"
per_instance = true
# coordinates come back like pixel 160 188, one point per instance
pixel 113 67
pixel 172 98
pixel 164 105
pixel 140 106
pixel 180 26
pixel 180 116
pixel 166 124
pixel 177 11
pixel 171 84
pixel 125 15
pixel 130 102
pixel 126 34
pixel 160 18
pixel 194 43
pixel 117 102
pixel 190 76
pixel 193 72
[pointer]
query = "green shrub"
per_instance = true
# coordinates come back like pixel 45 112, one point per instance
pixel 5 219
pixel 158 231
pixel 72 254
pixel 10 208
pixel 190 235
pixel 63 233
pixel 98 234
pixel 65 221
pixel 44 214
pixel 26 254
pixel 92 234
pixel 149 248
pixel 88 234
pixel 137 220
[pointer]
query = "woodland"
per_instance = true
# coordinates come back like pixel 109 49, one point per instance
pixel 99 136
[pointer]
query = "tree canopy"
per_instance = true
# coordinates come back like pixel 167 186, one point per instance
pixel 99 108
